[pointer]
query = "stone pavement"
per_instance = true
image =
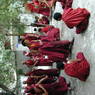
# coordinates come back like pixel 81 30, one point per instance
pixel 83 42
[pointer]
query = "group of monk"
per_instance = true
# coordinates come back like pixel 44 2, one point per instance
pixel 46 48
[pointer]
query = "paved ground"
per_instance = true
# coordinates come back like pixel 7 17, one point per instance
pixel 85 43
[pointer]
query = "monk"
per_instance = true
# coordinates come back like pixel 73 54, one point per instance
pixel 37 7
pixel 52 33
pixel 58 87
pixel 78 68
pixel 38 61
pixel 56 51
pixel 78 18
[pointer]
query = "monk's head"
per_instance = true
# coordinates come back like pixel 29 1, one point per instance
pixel 25 42
pixel 57 16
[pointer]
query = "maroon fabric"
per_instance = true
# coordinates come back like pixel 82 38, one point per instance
pixel 31 36
pixel 53 34
pixel 57 50
pixel 30 94
pixel 38 8
pixel 51 2
pixel 82 26
pixel 29 63
pixel 47 28
pixel 56 88
pixel 55 56
pixel 49 72
pixel 66 3
pixel 78 18
pixel 38 61
pixel 79 69
pixel 48 80
pixel 31 81
pixel 44 62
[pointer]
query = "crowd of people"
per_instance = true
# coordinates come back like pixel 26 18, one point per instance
pixel 46 48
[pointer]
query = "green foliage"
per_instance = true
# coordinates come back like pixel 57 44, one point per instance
pixel 7 68
pixel 9 14
pixel 7 65
pixel 9 19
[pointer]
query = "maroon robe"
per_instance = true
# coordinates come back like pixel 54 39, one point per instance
pixel 39 72
pixel 56 51
pixel 29 63
pixel 31 36
pixel 38 61
pixel 78 18
pixel 40 8
pixel 43 62
pixel 57 88
pixel 79 69
pixel 53 34
pixel 47 28
pixel 31 80
pixel 66 3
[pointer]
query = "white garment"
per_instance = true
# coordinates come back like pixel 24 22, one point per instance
pixel 43 67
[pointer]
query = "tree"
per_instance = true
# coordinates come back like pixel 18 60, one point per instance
pixel 9 18
pixel 9 15
pixel 7 69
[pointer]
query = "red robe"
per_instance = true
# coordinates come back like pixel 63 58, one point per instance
pixel 30 36
pixel 57 88
pixel 51 2
pixel 79 69
pixel 57 51
pixel 42 61
pixel 78 18
pixel 47 28
pixel 66 3
pixel 38 61
pixel 31 80
pixel 52 34
pixel 29 63
pixel 40 8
